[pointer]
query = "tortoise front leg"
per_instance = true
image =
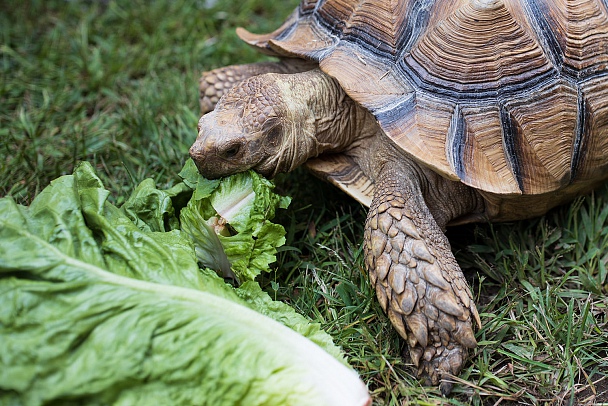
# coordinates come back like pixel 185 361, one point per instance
pixel 417 280
pixel 213 84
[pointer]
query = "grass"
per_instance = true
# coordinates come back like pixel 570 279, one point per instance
pixel 115 83
pixel 540 287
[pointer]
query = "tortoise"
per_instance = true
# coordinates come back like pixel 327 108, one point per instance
pixel 431 113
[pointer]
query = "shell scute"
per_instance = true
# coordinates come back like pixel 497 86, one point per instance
pixel 591 160
pixel 480 48
pixel 579 31
pixel 544 159
pixel 476 150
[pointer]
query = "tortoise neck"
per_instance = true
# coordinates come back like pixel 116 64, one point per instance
pixel 334 121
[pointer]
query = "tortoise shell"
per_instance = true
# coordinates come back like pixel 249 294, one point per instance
pixel 507 96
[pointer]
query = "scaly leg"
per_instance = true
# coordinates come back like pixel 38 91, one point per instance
pixel 417 280
pixel 213 84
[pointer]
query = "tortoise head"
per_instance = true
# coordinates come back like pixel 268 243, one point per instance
pixel 250 128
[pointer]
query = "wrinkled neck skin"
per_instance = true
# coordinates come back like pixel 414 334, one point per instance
pixel 321 117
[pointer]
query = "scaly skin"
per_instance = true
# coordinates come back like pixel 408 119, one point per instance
pixel 213 84
pixel 274 122
pixel 417 280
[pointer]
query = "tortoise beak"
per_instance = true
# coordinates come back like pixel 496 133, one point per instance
pixel 202 151
pixel 197 153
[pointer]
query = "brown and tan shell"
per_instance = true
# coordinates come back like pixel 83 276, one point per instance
pixel 507 96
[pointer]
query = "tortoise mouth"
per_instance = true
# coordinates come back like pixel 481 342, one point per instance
pixel 201 164
pixel 271 165
pixel 215 160
pixel 212 167
pixel 267 172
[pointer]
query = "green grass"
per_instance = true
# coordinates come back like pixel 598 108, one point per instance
pixel 116 84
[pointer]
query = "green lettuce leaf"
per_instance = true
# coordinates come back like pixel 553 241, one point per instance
pixel 238 209
pixel 101 306
pixel 153 209
pixel 208 247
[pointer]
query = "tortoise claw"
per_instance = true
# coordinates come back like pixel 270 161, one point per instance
pixel 443 355
pixel 436 365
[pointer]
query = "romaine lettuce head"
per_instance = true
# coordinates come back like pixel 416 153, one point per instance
pixel 102 305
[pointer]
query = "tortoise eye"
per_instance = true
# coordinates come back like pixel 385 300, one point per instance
pixel 231 151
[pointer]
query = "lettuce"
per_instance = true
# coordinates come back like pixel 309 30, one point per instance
pixel 108 305
pixel 238 211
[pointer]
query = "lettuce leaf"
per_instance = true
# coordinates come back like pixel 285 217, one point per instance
pixel 239 210
pixel 105 305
